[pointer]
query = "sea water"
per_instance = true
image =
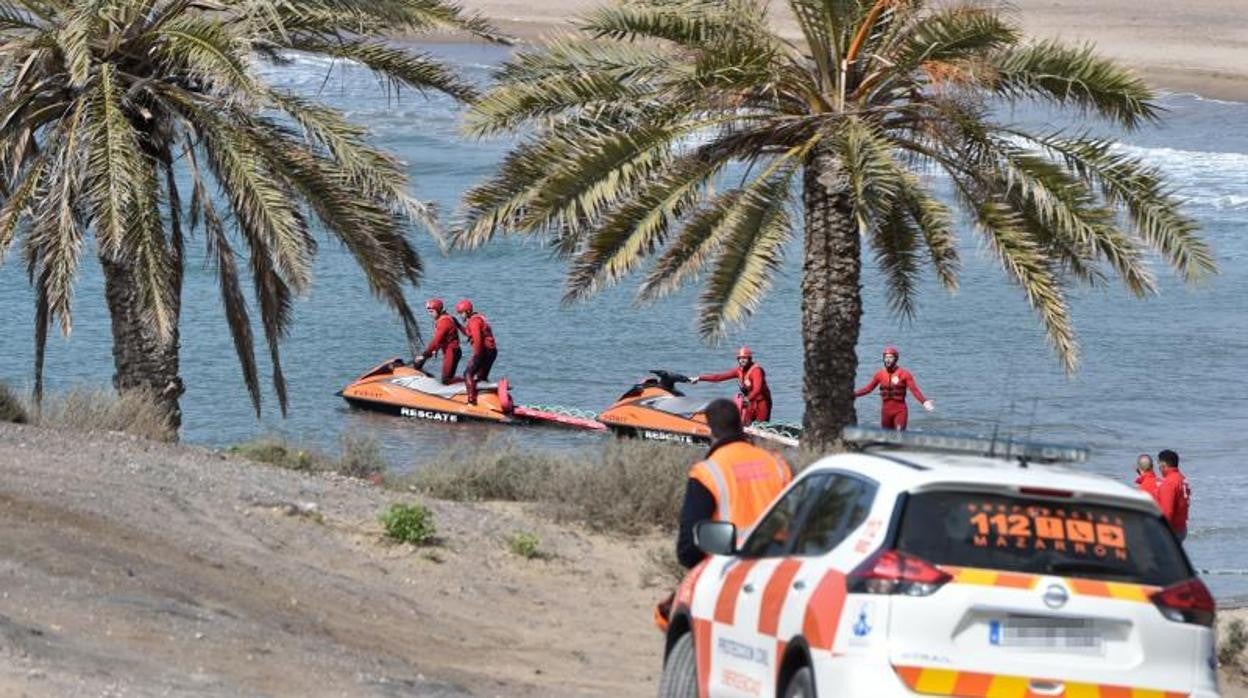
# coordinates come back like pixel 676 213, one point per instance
pixel 1165 372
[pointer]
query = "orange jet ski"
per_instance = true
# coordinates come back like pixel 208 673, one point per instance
pixel 654 409
pixel 395 387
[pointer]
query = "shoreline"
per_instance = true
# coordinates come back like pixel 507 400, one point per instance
pixel 1196 48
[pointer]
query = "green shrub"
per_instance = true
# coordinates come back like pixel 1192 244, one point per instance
pixel 277 451
pixel 409 523
pixel 1234 642
pixel 12 409
pixel 526 545
pixel 361 457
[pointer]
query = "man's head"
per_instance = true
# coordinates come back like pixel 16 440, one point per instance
pixel 724 419
pixel 890 356
pixel 744 357
pixel 434 306
pixel 1144 463
pixel 1169 460
pixel 464 308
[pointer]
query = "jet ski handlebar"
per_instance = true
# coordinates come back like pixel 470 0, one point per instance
pixel 668 379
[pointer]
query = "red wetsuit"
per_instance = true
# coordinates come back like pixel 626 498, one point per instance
pixel 1174 496
pixel 484 351
pixel 893 385
pixel 446 340
pixel 755 396
pixel 1147 482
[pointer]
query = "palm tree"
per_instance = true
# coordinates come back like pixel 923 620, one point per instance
pixel 691 132
pixel 137 122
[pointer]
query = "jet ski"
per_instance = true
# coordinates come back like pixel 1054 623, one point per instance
pixel 655 409
pixel 399 388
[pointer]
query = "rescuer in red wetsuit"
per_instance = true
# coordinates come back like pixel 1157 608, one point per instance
pixel 445 339
pixel 893 382
pixel 754 397
pixel 484 348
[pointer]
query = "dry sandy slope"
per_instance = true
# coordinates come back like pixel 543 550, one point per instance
pixel 136 569
pixel 1194 45
pixel 130 568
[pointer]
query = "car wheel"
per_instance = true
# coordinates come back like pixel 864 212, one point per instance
pixel 680 671
pixel 802 685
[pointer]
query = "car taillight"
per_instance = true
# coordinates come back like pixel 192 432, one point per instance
pixel 893 572
pixel 1186 602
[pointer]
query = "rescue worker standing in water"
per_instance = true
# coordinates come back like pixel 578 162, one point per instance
pixel 445 340
pixel 484 348
pixel 754 397
pixel 893 382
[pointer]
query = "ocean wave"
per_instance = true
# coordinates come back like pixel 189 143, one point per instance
pixel 1201 98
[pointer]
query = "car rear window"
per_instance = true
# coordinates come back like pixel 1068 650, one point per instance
pixel 1020 534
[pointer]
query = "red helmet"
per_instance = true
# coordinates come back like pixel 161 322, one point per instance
pixel 745 353
pixel 434 304
pixel 464 306
pixel 890 349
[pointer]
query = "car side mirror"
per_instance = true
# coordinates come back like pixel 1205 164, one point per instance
pixel 715 537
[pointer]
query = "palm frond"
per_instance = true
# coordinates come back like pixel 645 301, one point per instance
pixel 1152 208
pixel 394 67
pixel 639 225
pixel 1074 76
pixel 750 256
pixel 113 162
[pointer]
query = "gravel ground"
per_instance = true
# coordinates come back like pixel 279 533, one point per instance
pixel 130 568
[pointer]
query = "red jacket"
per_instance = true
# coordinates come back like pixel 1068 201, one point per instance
pixel 445 336
pixel 1174 496
pixel 479 333
pixel 751 380
pixel 1147 482
pixel 893 385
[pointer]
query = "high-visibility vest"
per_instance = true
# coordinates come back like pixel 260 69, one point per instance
pixel 744 479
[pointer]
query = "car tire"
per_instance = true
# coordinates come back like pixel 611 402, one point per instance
pixel 802 685
pixel 680 671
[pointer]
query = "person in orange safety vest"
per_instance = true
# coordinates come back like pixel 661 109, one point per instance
pixel 736 482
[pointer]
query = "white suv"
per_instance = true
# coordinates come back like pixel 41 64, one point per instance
pixel 918 567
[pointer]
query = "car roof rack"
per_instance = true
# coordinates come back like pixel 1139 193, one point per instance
pixel 1024 452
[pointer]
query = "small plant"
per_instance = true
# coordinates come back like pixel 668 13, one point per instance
pixel 11 407
pixel 1234 642
pixel 409 523
pixel 526 545
pixel 276 451
pixel 362 457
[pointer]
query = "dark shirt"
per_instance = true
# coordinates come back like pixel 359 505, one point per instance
pixel 699 505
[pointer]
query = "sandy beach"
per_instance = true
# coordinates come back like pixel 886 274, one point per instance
pixel 1198 46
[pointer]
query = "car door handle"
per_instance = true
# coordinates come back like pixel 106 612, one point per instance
pixel 799 585
pixel 748 588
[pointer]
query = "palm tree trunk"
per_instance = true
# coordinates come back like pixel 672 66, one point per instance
pixel 141 357
pixel 831 302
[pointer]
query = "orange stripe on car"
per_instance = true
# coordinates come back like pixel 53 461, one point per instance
pixel 702 654
pixel 1080 587
pixel 726 604
pixel 774 594
pixel 823 611
pixel 968 684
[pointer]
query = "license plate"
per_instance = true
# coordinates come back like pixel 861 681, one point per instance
pixel 1046 634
